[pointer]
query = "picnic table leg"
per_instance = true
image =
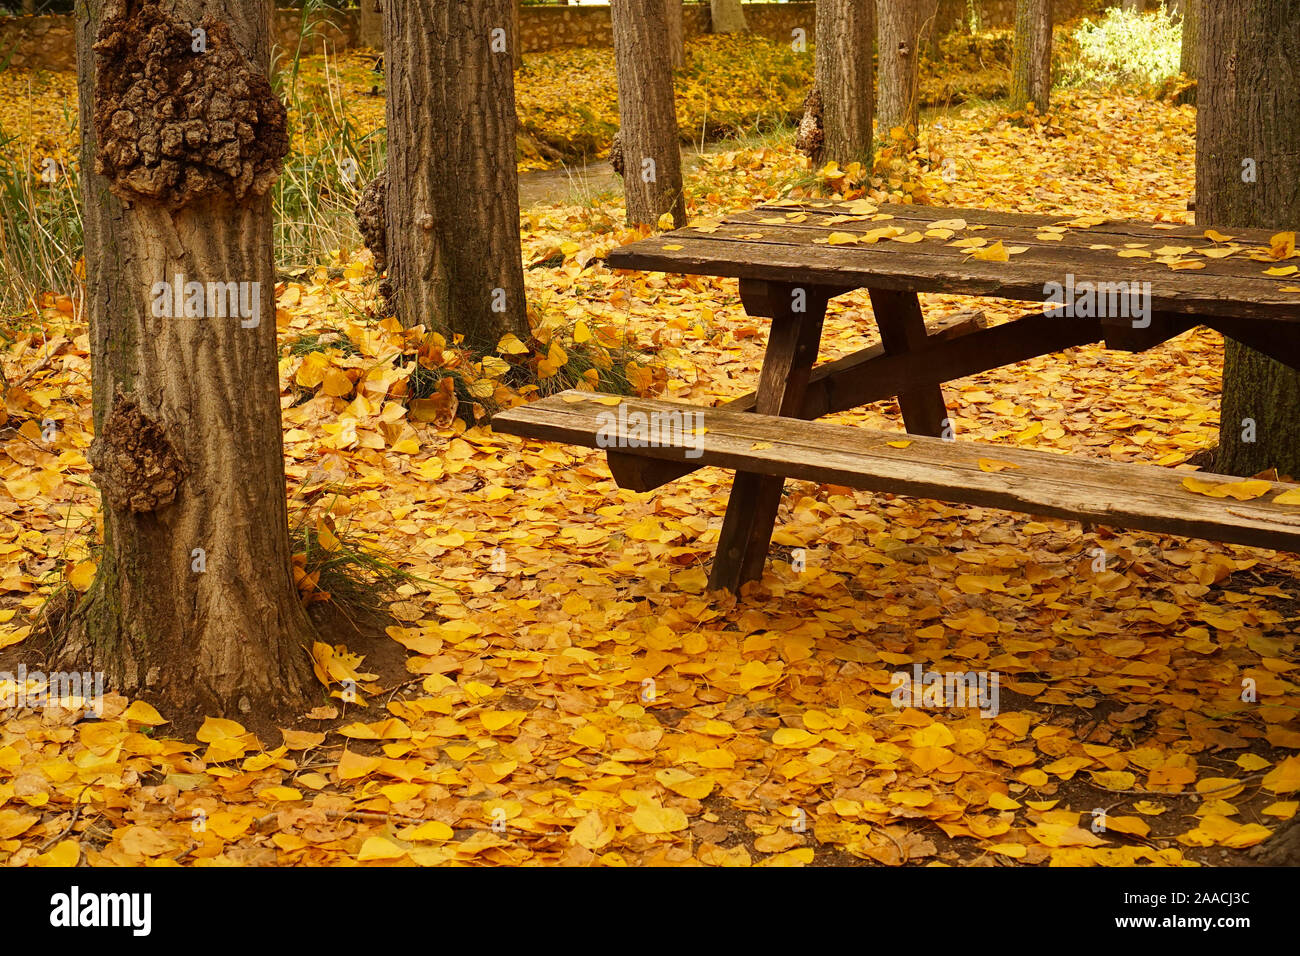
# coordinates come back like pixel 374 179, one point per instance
pixel 902 329
pixel 797 313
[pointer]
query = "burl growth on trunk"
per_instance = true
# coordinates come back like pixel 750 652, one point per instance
pixel 180 114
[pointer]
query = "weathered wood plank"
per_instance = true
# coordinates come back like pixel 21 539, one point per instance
pixel 902 331
pixel 822 396
pixel 756 496
pixel 1183 293
pixel 1140 497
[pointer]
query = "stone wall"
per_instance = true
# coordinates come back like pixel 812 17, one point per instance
pixel 48 42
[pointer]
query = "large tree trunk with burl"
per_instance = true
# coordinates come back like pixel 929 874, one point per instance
pixel 1248 174
pixel 452 203
pixel 194 605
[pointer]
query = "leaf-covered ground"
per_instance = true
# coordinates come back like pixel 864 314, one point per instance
pixel 574 695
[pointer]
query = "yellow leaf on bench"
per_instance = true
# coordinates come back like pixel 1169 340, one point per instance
pixel 1240 490
pixel 993 465
pixel 1291 497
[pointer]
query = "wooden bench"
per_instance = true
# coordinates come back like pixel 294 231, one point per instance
pixel 793 258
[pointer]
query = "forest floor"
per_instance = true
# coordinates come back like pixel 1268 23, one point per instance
pixel 571 693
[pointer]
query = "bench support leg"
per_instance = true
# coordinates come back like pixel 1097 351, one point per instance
pixel 797 314
pixel 902 330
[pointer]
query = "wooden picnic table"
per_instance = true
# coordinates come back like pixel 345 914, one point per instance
pixel 792 257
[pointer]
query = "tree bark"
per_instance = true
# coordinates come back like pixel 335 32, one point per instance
pixel 29 7
pixel 1248 174
pixel 516 36
pixel 452 204
pixel 1191 42
pixel 1031 71
pixel 900 23
pixel 371 30
pixel 727 16
pixel 676 33
pixel 652 154
pixel 194 605
pixel 846 32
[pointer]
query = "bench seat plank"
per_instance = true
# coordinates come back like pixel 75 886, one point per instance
pixel 1123 495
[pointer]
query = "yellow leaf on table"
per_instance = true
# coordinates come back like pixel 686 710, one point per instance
pixel 994 253
pixel 1281 272
pixel 842 238
pixel 1134 254
pixel 899 444
pixel 760 445
pixel 993 465
pixel 83 575
pixel 1216 236
pixel 1282 246
pixel 909 237
pixel 1291 497
pixel 1217 253
pixel 673 248
pixel 1240 490
pixel 955 224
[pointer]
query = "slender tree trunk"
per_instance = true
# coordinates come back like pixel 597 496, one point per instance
pixel 1191 42
pixel 845 35
pixel 652 153
pixel 371 31
pixel 29 7
pixel 194 605
pixel 676 33
pixel 1248 174
pixel 900 25
pixel 1031 71
pixel 452 205
pixel 728 16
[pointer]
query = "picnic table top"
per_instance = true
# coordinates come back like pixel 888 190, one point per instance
pixel 1227 274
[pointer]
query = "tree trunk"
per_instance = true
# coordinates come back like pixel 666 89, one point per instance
pixel 1248 174
pixel 29 7
pixel 516 36
pixel 1031 71
pixel 452 205
pixel 727 16
pixel 1191 43
pixel 371 31
pixel 676 33
pixel 194 605
pixel 652 154
pixel 900 24
pixel 1134 6
pixel 846 31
